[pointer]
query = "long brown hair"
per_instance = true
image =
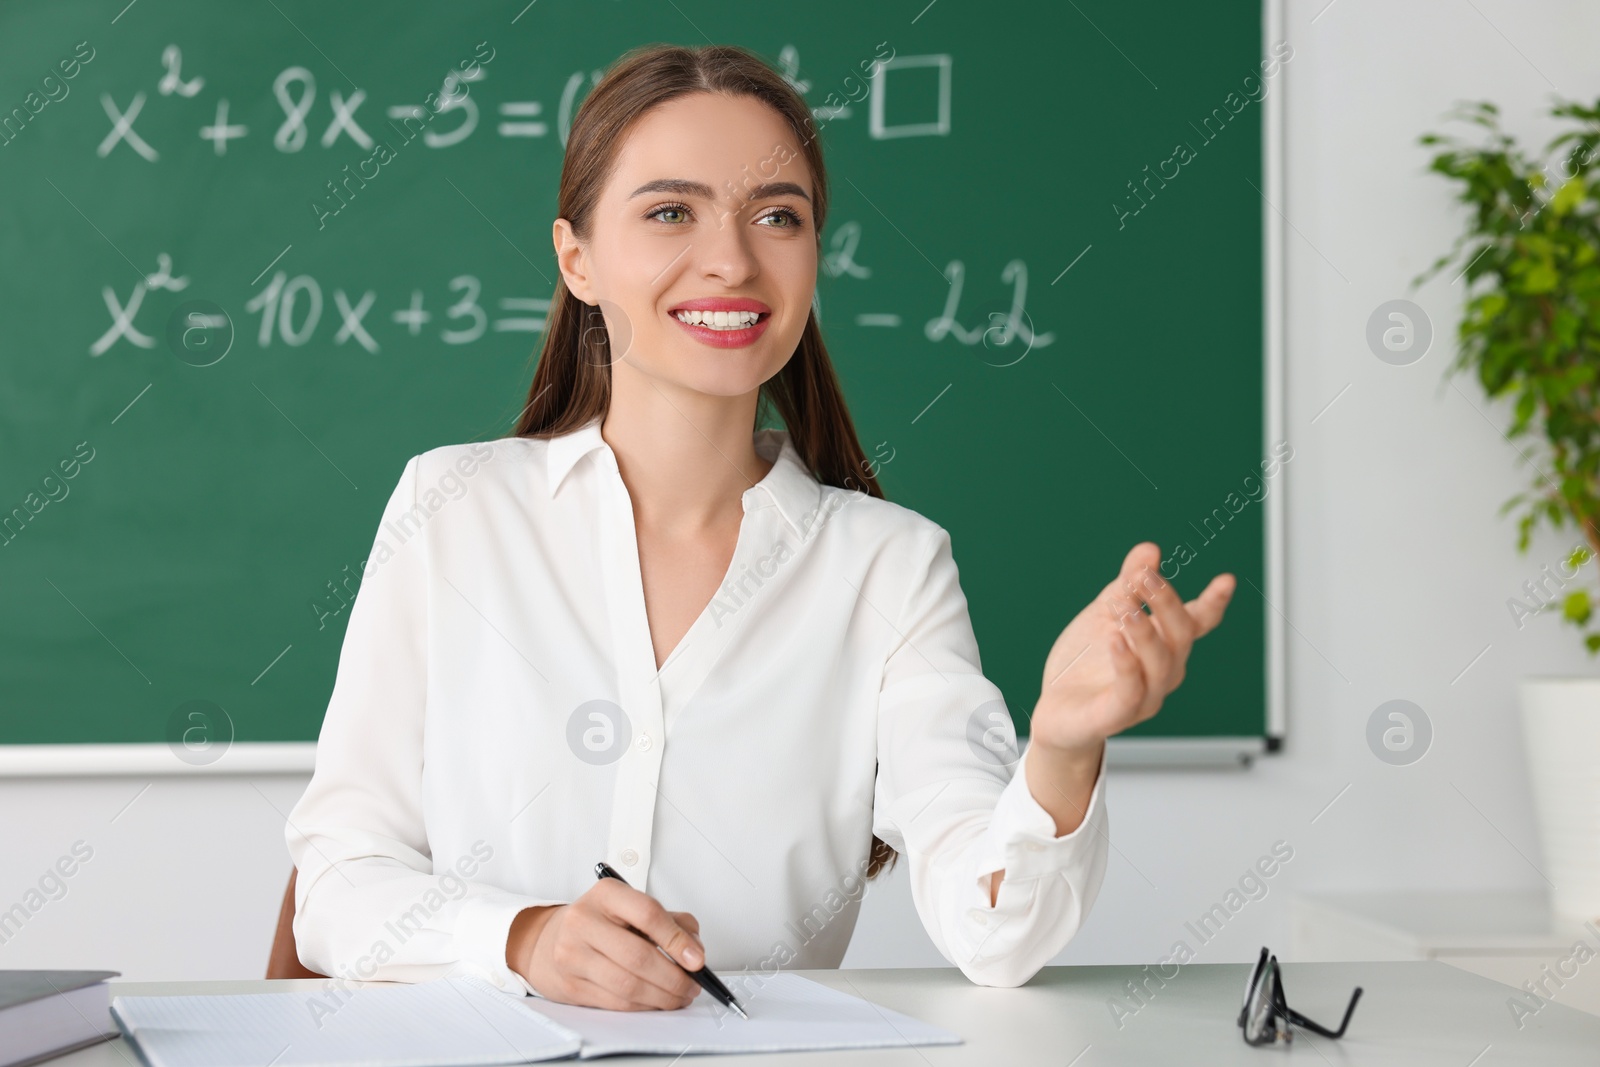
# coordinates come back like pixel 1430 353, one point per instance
pixel 572 382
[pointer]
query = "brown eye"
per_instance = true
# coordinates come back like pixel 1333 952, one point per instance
pixel 791 217
pixel 678 209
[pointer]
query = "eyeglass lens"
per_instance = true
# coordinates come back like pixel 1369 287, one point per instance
pixel 1259 1021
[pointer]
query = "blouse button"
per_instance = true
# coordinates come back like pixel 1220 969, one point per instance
pixel 979 917
pixel 644 742
pixel 629 857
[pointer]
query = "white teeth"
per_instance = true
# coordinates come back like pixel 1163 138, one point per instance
pixel 719 320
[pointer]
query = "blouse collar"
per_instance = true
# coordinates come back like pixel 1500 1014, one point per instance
pixel 789 485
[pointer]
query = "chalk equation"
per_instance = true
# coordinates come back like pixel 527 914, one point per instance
pixel 296 92
pixel 1002 329
pixel 291 310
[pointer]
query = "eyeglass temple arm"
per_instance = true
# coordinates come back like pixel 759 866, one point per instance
pixel 1300 1020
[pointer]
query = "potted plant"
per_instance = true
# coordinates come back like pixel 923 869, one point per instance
pixel 1530 330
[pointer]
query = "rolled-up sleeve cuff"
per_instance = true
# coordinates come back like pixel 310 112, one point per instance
pixel 1021 837
pixel 482 928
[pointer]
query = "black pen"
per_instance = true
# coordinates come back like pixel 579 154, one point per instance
pixel 708 981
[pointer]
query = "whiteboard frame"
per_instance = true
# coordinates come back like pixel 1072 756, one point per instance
pixel 298 757
pixel 1274 306
pixel 153 759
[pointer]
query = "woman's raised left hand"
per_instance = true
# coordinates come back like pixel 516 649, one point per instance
pixel 1114 664
pixel 1110 669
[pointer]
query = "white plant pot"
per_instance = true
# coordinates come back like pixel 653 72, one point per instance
pixel 1561 736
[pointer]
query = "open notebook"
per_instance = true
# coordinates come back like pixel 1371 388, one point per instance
pixel 467 1022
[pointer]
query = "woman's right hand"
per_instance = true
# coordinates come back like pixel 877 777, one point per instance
pixel 584 952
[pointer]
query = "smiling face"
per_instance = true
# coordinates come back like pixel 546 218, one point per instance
pixel 706 215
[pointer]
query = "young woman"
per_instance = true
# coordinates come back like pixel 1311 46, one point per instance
pixel 646 631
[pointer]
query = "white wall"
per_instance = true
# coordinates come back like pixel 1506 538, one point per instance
pixel 1399 570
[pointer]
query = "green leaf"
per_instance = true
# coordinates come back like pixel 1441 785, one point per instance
pixel 1593 643
pixel 1527 403
pixel 1490 305
pixel 1566 328
pixel 1513 502
pixel 1576 607
pixel 1541 277
pixel 1569 196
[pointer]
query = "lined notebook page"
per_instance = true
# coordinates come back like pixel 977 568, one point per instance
pixel 788 1013
pixel 456 1021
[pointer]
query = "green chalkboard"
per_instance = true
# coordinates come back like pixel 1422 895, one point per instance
pixel 1043 293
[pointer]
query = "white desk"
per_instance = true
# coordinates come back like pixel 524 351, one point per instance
pixel 1412 1014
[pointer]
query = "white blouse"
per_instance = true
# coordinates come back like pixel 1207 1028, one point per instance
pixel 498 725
